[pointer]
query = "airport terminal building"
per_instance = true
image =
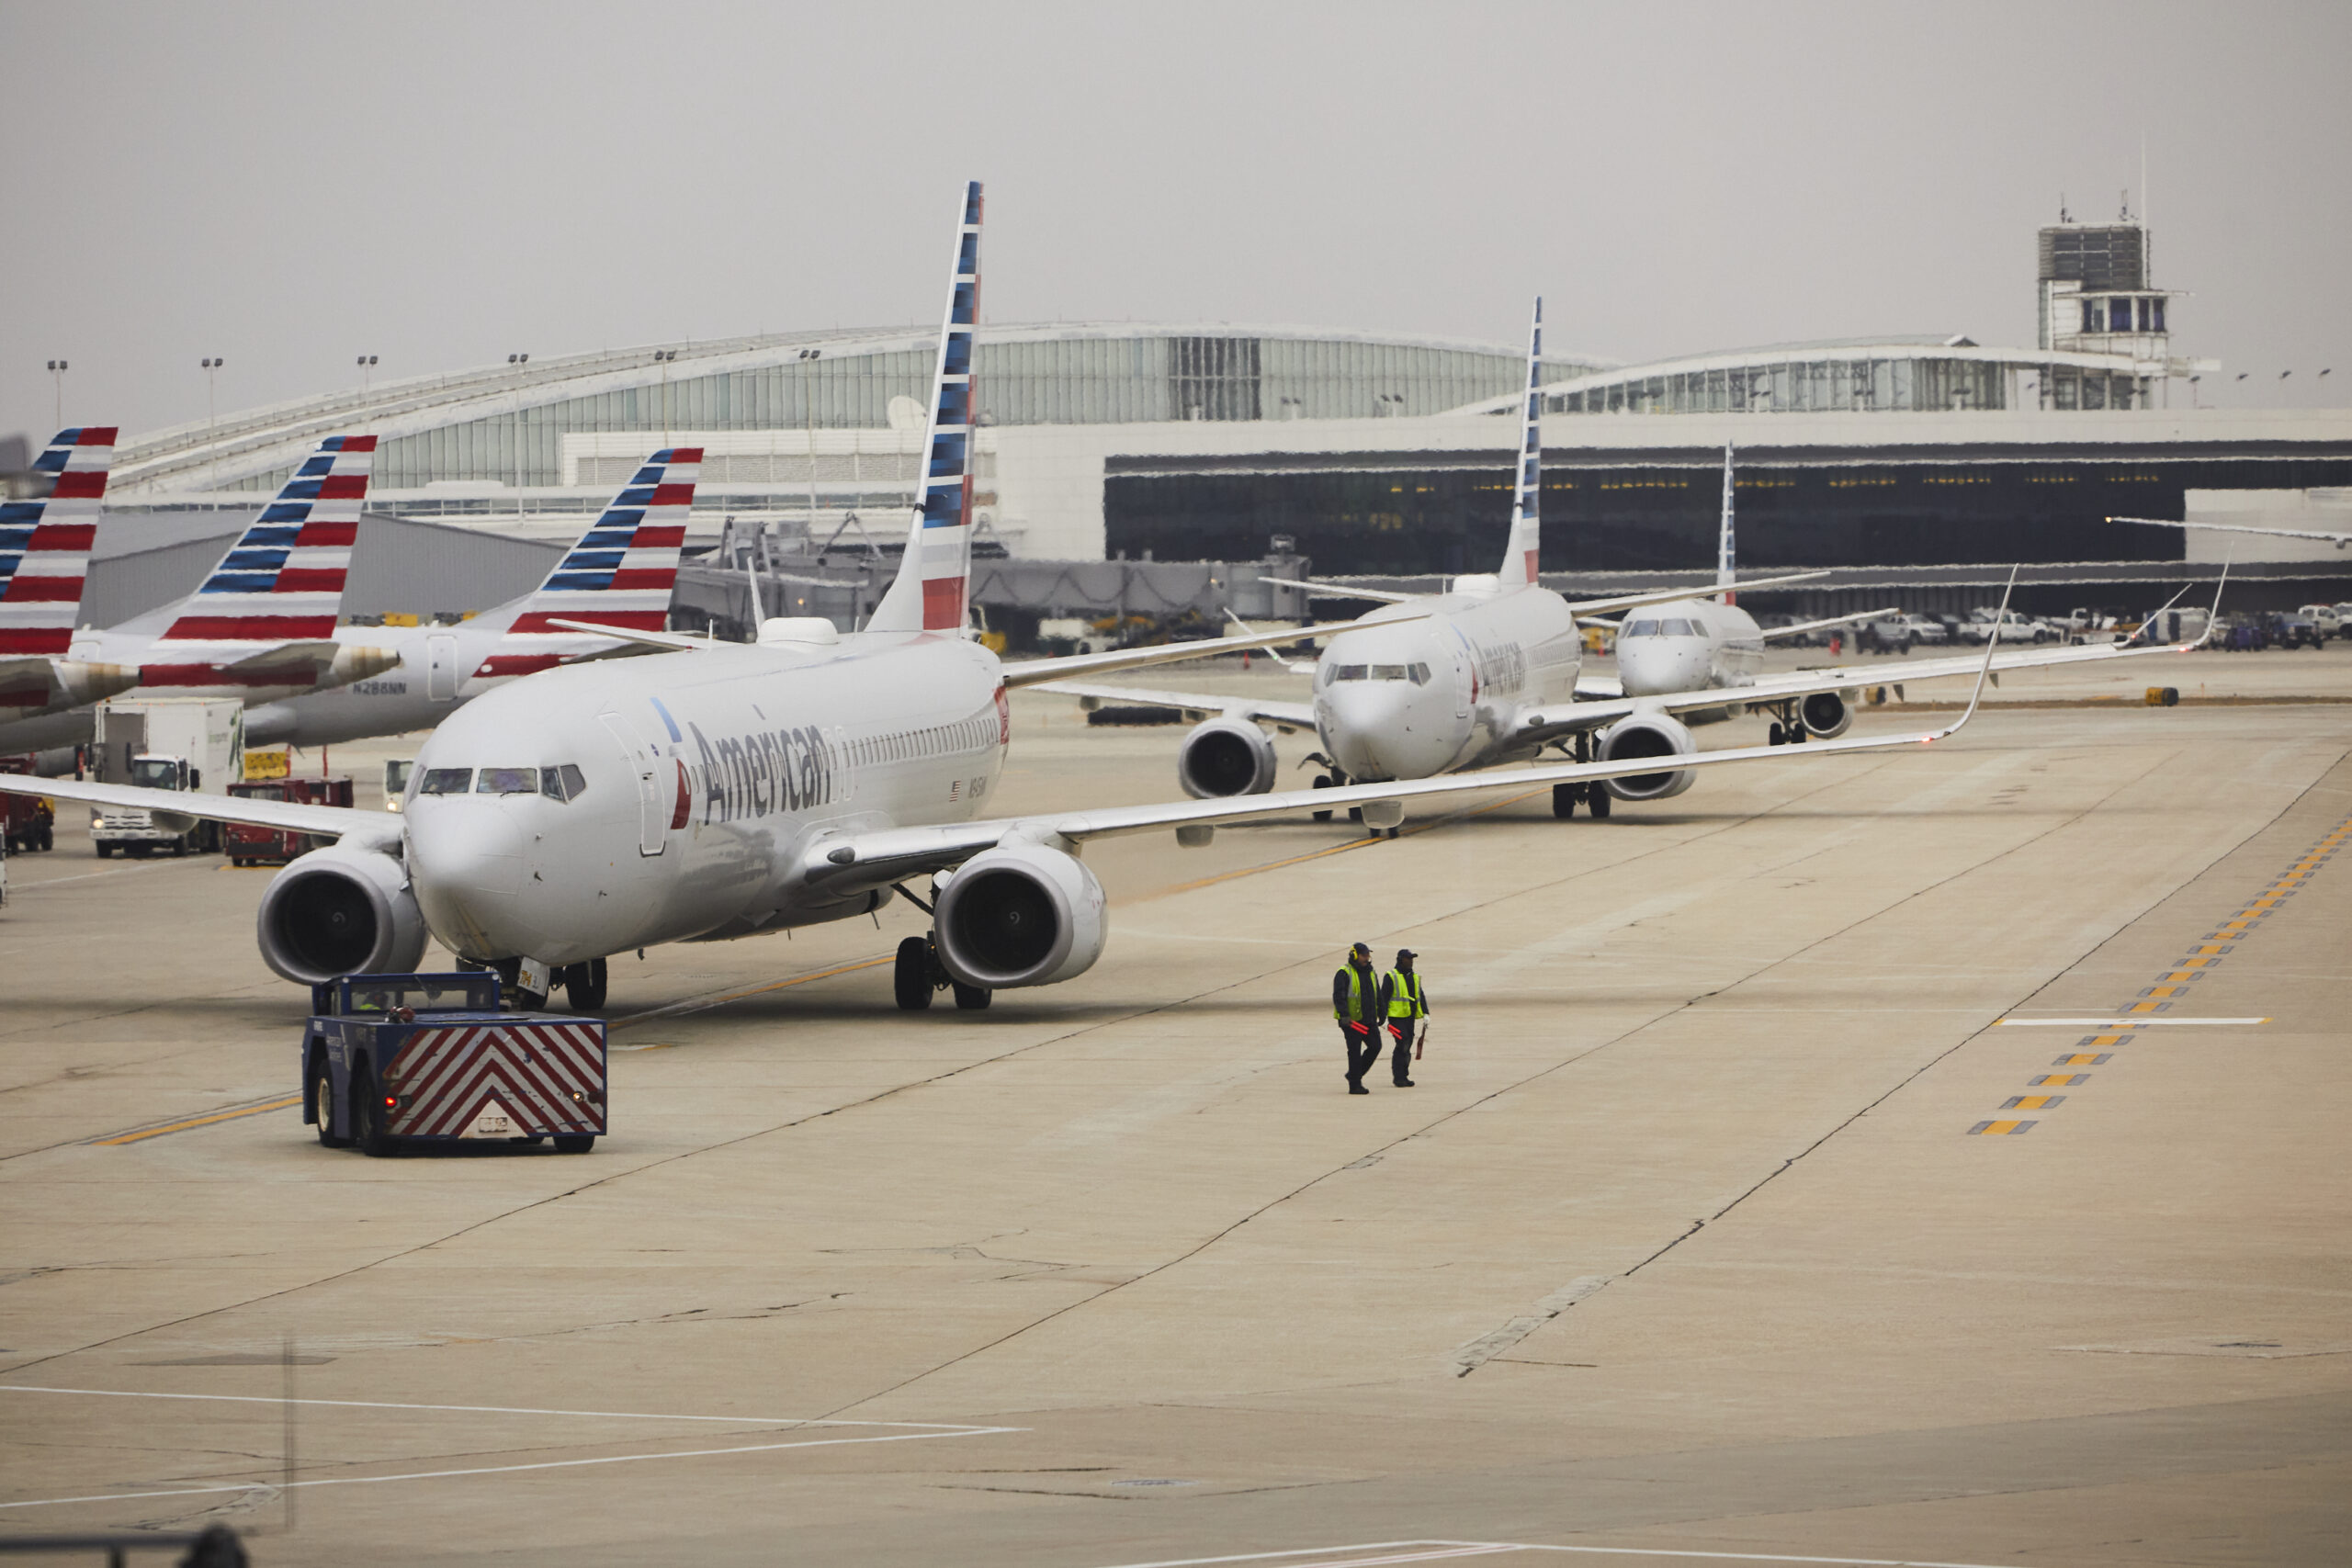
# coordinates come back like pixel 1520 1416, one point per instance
pixel 1376 455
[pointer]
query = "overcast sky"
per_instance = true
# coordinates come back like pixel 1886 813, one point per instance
pixel 289 186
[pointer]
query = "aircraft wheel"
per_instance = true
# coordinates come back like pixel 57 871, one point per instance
pixel 585 984
pixel 910 979
pixel 320 1091
pixel 1775 736
pixel 1599 803
pixel 573 1142
pixel 972 999
pixel 1564 801
pixel 1322 781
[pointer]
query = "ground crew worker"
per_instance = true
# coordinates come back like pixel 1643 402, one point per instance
pixel 1406 1001
pixel 1355 1002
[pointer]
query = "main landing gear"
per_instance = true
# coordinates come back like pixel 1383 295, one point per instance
pixel 918 974
pixel 1595 795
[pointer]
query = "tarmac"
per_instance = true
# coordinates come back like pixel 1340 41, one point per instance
pixel 1931 1156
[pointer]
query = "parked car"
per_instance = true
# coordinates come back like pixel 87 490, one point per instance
pixel 2013 626
pixel 1901 633
pixel 2328 618
pixel 2297 630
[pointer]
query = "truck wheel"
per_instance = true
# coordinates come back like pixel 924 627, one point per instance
pixel 584 983
pixel 972 999
pixel 1598 801
pixel 1564 801
pixel 106 851
pixel 574 1143
pixel 911 980
pixel 368 1128
pixel 320 1095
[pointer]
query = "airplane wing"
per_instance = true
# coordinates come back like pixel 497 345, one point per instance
pixel 2338 540
pixel 1192 704
pixel 1598 688
pixel 378 828
pixel 1037 671
pixel 1803 626
pixel 663 641
pixel 1582 607
pixel 1335 591
pixel 853 862
pixel 313 651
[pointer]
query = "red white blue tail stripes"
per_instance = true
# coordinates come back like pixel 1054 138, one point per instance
pixel 282 582
pixel 1520 564
pixel 621 574
pixel 45 542
pixel 931 590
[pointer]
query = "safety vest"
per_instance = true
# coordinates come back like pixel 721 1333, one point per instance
pixel 1358 1007
pixel 1405 994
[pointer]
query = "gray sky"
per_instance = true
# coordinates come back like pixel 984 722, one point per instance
pixel 291 185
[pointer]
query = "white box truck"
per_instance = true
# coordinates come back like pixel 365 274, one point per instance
pixel 189 743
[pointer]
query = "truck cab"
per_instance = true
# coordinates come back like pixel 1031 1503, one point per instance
pixel 390 1060
pixel 133 828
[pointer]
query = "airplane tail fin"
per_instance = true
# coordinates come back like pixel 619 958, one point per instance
pixel 1519 554
pixel 1726 554
pixel 283 579
pixel 45 542
pixel 621 572
pixel 933 587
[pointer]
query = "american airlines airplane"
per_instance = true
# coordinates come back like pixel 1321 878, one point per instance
pixel 619 574
pixel 721 790
pixel 1487 674
pixel 262 624
pixel 45 541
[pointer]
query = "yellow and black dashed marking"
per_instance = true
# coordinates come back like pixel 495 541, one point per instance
pixel 2182 973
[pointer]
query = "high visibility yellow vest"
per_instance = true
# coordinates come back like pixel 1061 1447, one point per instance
pixel 1405 994
pixel 1359 1008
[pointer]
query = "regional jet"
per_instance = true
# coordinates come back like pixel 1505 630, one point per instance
pixel 45 539
pixel 1488 675
pixel 721 790
pixel 261 627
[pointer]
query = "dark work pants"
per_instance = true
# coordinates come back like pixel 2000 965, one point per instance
pixel 1363 1049
pixel 1400 1064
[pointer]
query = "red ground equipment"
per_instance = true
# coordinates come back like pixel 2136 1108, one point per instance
pixel 250 845
pixel 31 823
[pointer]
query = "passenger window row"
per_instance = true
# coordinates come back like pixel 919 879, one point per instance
pixel 974 734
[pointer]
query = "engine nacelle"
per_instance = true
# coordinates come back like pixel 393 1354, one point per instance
pixel 1226 757
pixel 1647 735
pixel 1019 915
pixel 340 910
pixel 1827 714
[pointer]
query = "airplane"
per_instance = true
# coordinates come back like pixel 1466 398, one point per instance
pixel 719 790
pixel 2321 535
pixel 260 626
pixel 1490 676
pixel 620 572
pixel 45 541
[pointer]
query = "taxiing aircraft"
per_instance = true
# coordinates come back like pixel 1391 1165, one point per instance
pixel 1490 675
pixel 45 540
pixel 620 573
pixel 719 790
pixel 262 624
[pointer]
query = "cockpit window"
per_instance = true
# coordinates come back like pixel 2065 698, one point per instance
pixel 1641 629
pixel 1420 673
pixel 1388 673
pixel 1676 627
pixel 447 781
pixel 562 784
pixel 1348 672
pixel 508 781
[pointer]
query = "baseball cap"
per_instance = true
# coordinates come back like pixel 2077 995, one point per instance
pixel 1359 950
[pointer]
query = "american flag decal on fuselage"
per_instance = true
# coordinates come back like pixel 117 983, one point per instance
pixel 549 1077
pixel 621 572
pixel 45 542
pixel 947 501
pixel 282 582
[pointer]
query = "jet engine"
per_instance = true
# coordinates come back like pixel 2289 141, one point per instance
pixel 1225 757
pixel 340 910
pixel 1019 915
pixel 1647 735
pixel 1826 715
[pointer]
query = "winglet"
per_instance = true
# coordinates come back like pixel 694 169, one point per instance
pixel 1992 645
pixel 2213 615
pixel 1726 553
pixel 1522 553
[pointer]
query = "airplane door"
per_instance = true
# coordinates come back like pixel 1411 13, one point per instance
pixel 441 668
pixel 653 821
pixel 1465 676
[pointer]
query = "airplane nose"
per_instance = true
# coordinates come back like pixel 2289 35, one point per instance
pixel 465 859
pixel 1390 729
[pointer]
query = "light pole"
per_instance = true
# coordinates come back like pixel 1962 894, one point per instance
pixel 518 361
pixel 662 357
pixel 212 368
pixel 57 375
pixel 366 372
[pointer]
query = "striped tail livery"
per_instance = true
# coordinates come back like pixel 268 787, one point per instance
pixel 1520 555
pixel 45 543
pixel 933 587
pixel 620 573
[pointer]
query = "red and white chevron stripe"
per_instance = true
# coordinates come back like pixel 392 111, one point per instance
pixel 549 1077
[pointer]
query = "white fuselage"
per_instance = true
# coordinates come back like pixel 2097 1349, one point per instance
pixel 706 776
pixel 434 677
pixel 1691 644
pixel 1410 699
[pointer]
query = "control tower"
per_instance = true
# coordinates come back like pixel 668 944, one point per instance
pixel 2095 297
